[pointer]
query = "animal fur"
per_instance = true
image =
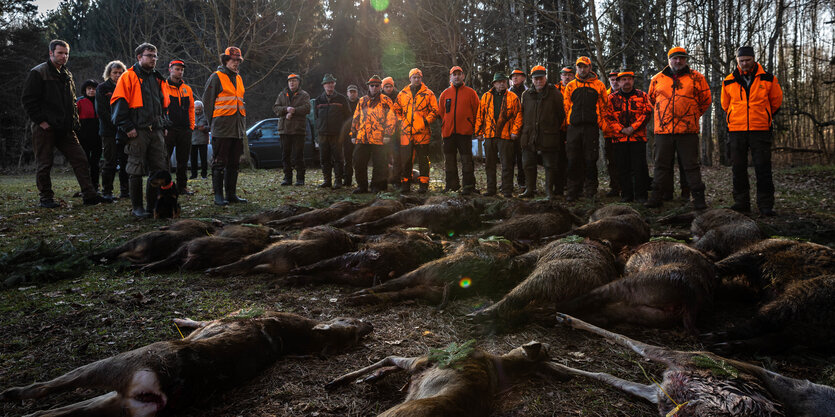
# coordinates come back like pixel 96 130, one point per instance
pixel 531 226
pixel 316 217
pixel 230 244
pixel 707 385
pixel 279 258
pixel 449 216
pixel 171 375
pixel 564 270
pixel 468 388
pixel 377 210
pixel 622 230
pixel 495 209
pixel 666 283
pixel 282 212
pixel 613 210
pixel 157 245
pixel 487 264
pixel 391 255
pixel 166 205
pixel 721 232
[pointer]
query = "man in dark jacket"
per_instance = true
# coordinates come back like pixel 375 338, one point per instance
pixel 113 151
pixel 49 101
pixel 181 115
pixel 332 111
pixel 347 145
pixel 138 110
pixel 292 106
pixel 542 117
pixel 225 109
pixel 517 86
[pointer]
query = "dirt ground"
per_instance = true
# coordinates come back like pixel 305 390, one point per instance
pixel 48 329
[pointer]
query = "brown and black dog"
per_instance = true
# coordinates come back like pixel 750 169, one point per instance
pixel 166 205
pixel 466 388
pixel 174 374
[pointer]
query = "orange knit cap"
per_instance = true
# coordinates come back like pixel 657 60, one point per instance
pixel 414 71
pixel 389 80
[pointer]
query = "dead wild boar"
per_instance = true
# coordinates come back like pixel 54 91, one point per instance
pixel 564 270
pixel 165 376
pixel 445 217
pixel 157 245
pixel 621 230
pixel 390 255
pixel 282 212
pixel 377 210
pixel 718 232
pixel 466 387
pixel 476 267
pixel 531 226
pixel 312 244
pixel 612 210
pixel 509 208
pixel 666 283
pixel 699 384
pixel 769 266
pixel 801 315
pixel 228 245
pixel 316 217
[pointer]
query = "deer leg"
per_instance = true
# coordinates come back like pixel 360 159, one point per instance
pixel 647 392
pixel 390 364
pixel 646 350
pixel 109 404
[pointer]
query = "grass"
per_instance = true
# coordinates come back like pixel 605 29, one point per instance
pixel 47 329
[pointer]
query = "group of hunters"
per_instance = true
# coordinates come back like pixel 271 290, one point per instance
pixel 137 118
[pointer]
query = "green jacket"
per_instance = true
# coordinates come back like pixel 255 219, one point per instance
pixel 226 126
pixel 299 100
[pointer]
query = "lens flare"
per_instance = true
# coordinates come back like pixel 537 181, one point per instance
pixel 465 282
pixel 380 5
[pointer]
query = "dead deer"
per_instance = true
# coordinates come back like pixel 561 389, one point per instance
pixel 175 374
pixel 467 387
pixel 703 384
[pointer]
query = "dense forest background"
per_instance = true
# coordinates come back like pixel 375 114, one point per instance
pixel 794 39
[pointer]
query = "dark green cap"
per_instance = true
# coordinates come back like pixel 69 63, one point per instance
pixel 328 78
pixel 499 76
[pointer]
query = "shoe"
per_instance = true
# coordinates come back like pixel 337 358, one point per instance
pixel 204 177
pixel 193 177
pixel 612 193
pixel 50 204
pixel 217 187
pixel 767 212
pixel 187 192
pixel 626 199
pixel 96 200
pixel 424 188
pixel 287 181
pixel 741 207
pixel 325 185
pixel 507 195
pixel 230 178
pixel 108 196
pixel 529 193
pixel 360 191
pixel 337 185
pixel 405 188
pixel 299 183
pixel 653 202
pixel 140 213
pixel 449 189
pixel 571 198
pixel 489 193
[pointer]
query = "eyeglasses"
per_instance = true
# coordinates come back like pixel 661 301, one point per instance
pixel 150 55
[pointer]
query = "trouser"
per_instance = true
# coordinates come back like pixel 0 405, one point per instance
pixel 582 152
pixel 330 155
pixel 377 153
pixel 517 159
pixel 611 165
pixel 179 139
pixel 504 151
pixel 682 179
pixel 348 153
pixel 292 155
pixel 394 158
pixel 200 151
pixel 92 151
pixel 463 145
pixel 633 174
pixel 759 142
pixel 560 166
pixel 409 154
pixel 687 146
pixel 226 154
pixel 44 143
pixel 114 156
pixel 146 152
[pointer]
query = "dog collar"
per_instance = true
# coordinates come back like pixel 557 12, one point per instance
pixel 165 187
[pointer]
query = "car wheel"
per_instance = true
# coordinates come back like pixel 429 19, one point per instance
pixel 254 160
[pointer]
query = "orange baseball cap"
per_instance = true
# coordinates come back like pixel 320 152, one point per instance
pixel 293 75
pixel 626 74
pixel 375 79
pixel 567 70
pixel 177 62
pixel 583 60
pixel 455 68
pixel 677 51
pixel 234 52
pixel 538 71
pixel 518 72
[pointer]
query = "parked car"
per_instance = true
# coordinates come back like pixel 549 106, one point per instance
pixel 265 147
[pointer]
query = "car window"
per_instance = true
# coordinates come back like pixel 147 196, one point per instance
pixel 269 131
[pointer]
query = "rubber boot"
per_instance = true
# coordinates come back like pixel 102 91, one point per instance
pixel 423 188
pixel 299 179
pixel 326 174
pixel 107 178
pixel 699 200
pixel 405 187
pixel 231 179
pixel 135 191
pixel 549 184
pixel 217 187
pixel 530 185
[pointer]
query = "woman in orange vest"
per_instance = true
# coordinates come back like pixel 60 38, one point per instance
pixel 225 110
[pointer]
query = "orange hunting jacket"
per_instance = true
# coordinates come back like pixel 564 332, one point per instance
pixel 678 101
pixel 751 108
pixel 416 113
pixel 373 119
pixel 628 109
pixel 510 116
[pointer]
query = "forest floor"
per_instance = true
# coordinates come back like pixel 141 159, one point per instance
pixel 47 329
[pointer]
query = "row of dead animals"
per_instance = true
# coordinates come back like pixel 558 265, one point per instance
pixel 166 376
pixel 612 275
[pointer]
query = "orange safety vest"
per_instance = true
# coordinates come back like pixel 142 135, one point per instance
pixel 231 99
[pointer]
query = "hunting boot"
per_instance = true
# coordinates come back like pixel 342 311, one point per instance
pixel 326 174
pixel 699 200
pixel 549 184
pixel 530 184
pixel 288 177
pixel 299 178
pixel 231 179
pixel 654 200
pixel 217 187
pixel 135 191
pixel 405 187
pixel 107 178
pixel 124 184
